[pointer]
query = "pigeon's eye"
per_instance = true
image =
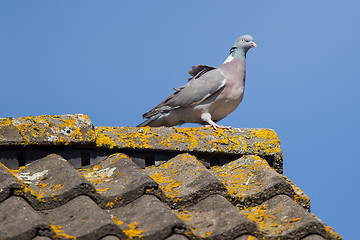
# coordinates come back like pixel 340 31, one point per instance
pixel 243 40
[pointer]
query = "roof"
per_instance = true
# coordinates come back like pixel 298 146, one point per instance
pixel 63 178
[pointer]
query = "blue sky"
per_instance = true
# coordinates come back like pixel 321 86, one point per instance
pixel 115 60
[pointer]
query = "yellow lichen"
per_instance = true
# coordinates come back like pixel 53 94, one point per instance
pixel 132 232
pixel 330 232
pixel 42 128
pixel 118 222
pixel 299 196
pixel 268 141
pixel 240 178
pixel 110 205
pixel 268 219
pixel 184 215
pixel 102 189
pixel 59 234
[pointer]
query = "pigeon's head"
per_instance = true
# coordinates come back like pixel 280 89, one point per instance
pixel 242 45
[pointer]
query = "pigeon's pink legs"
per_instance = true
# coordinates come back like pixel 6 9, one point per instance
pixel 216 126
pixel 206 117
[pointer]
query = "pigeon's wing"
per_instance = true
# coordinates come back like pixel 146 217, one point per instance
pixel 197 71
pixel 194 92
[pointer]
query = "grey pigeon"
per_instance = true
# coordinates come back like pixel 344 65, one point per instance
pixel 209 96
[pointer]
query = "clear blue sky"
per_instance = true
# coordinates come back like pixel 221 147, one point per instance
pixel 114 60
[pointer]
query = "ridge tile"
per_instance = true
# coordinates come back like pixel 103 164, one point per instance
pixel 47 130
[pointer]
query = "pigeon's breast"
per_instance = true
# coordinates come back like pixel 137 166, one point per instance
pixel 230 97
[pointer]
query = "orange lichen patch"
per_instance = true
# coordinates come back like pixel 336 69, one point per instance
pixel 116 220
pixel 299 196
pixel 102 189
pixel 270 143
pixel 105 137
pixel 268 220
pixel 42 190
pixel 110 205
pixel 330 232
pixel 184 215
pixel 240 177
pixel 188 136
pixel 132 231
pixel 226 138
pixel 167 185
pixel 59 234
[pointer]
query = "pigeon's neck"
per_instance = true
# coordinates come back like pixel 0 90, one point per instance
pixel 236 54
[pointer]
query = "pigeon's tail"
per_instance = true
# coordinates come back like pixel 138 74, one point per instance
pixel 149 121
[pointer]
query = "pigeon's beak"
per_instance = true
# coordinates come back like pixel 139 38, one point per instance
pixel 253 44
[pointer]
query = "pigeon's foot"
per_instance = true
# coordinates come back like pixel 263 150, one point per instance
pixel 216 126
pixel 206 117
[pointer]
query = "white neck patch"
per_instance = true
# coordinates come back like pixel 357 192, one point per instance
pixel 229 59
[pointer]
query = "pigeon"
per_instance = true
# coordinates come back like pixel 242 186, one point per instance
pixel 210 94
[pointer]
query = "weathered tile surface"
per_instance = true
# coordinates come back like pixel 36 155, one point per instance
pixel 81 218
pixel 262 142
pixel 282 217
pixel 118 181
pixel 147 218
pixel 185 181
pixel 19 221
pixel 251 181
pixel 47 130
pixel 8 182
pixel 215 218
pixel 51 182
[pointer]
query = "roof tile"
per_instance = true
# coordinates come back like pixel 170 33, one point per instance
pixel 81 218
pixel 250 181
pixel 282 217
pixel 15 212
pixel 215 218
pixel 47 130
pixel 118 181
pixel 51 182
pixel 184 180
pixel 8 182
pixel 262 142
pixel 147 218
